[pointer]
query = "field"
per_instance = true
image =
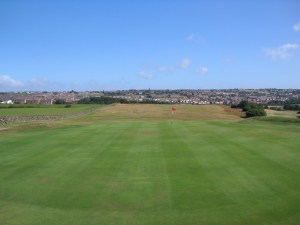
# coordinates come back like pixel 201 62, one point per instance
pixel 45 109
pixel 128 164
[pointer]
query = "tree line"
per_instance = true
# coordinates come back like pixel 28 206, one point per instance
pixel 291 107
pixel 101 100
pixel 288 102
pixel 109 100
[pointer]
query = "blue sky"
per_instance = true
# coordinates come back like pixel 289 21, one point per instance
pixel 120 45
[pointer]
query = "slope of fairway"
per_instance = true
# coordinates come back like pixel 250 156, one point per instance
pixel 190 172
pixel 48 110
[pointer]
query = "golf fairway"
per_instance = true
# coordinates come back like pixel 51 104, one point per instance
pixel 188 172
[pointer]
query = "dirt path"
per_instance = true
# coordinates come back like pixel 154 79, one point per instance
pixel 4 128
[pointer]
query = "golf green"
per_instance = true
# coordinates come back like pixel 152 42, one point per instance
pixel 189 172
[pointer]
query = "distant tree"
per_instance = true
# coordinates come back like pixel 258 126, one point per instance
pixel 255 112
pixel 242 104
pixel 246 108
pixel 123 101
pixel 84 101
pixel 60 101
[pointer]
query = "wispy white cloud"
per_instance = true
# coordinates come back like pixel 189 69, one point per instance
pixel 280 52
pixel 296 27
pixel 191 37
pixel 185 63
pixel 196 38
pixel 227 60
pixel 35 84
pixel 143 74
pixel 7 82
pixel 76 85
pixel 38 82
pixel 202 70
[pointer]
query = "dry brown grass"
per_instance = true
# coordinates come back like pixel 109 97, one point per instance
pixel 232 111
pixel 156 113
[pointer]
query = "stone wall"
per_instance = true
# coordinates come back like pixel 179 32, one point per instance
pixel 27 118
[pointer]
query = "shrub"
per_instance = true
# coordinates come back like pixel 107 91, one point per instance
pixel 277 108
pixel 234 106
pixel 255 112
pixel 243 104
pixel 59 101
pixel 68 106
pixel 123 101
pixel 247 108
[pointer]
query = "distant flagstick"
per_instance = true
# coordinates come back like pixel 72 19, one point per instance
pixel 172 114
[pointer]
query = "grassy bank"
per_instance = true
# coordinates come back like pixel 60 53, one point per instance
pixel 278 119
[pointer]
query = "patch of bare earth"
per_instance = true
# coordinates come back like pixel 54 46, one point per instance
pixel 4 128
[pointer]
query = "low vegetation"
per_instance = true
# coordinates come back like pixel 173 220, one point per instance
pixel 295 107
pixel 251 109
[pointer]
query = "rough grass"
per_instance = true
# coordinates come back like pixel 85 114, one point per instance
pixel 286 113
pixel 47 109
pixel 234 111
pixel 156 113
pixel 197 171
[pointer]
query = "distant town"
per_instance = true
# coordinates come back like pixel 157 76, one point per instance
pixel 180 96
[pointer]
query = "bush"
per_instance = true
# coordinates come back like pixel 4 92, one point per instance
pixel 59 101
pixel 68 106
pixel 277 108
pixel 253 106
pixel 243 104
pixel 123 101
pixel 246 108
pixel 255 112
pixel 234 106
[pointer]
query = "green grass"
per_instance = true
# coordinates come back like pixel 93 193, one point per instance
pixel 46 109
pixel 147 171
pixel 278 119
